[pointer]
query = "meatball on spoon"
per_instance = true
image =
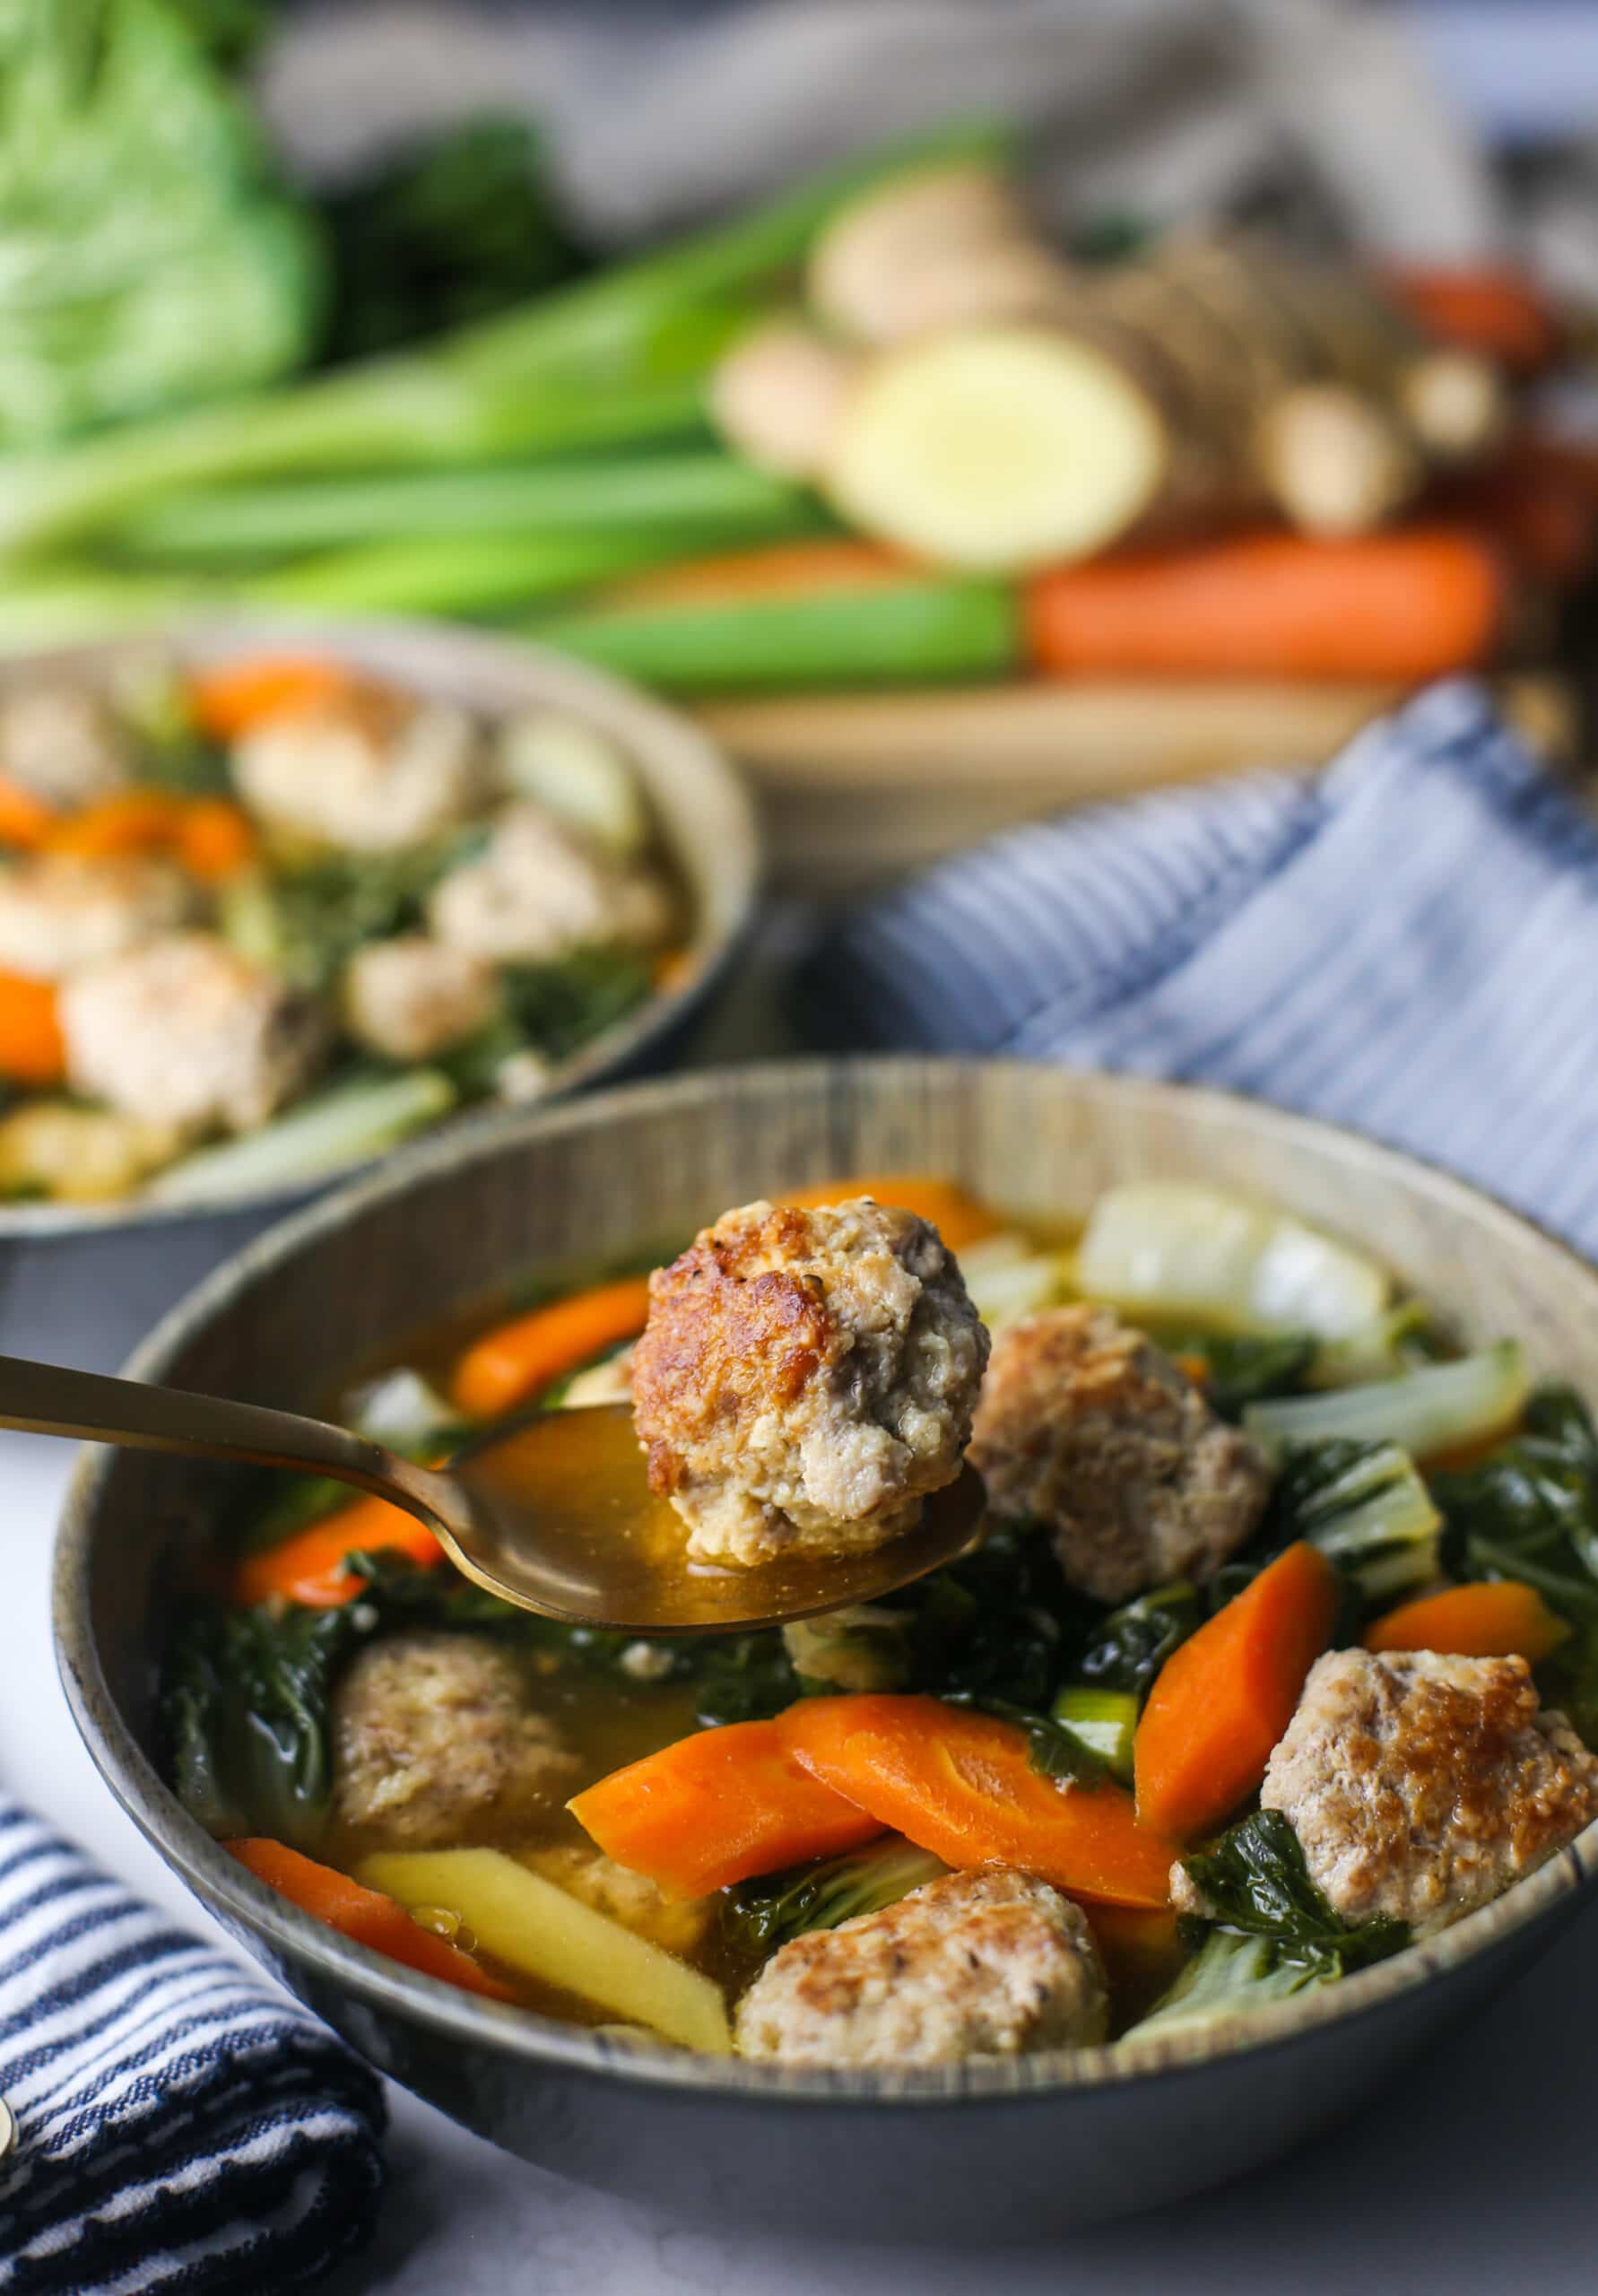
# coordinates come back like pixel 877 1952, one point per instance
pixel 555 1514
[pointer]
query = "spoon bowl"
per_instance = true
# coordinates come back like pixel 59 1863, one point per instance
pixel 555 1514
pixel 562 1521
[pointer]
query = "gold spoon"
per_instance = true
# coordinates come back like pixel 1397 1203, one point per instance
pixel 554 1515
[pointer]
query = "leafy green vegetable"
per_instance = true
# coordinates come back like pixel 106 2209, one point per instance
pixel 457 230
pixel 553 1010
pixel 1229 1976
pixel 1440 1408
pixel 760 1915
pixel 1365 1506
pixel 1241 1367
pixel 1267 1934
pixel 1254 1883
pixel 173 754
pixel 1127 1648
pixel 306 923
pixel 146 258
pixel 246 1709
pixel 1529 1509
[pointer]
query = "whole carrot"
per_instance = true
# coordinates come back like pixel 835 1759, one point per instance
pixel 1405 605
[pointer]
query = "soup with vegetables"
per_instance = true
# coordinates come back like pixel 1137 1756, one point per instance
pixel 1276 1649
pixel 264 919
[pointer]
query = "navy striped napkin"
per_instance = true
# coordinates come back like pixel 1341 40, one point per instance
pixel 180 2125
pixel 1406 943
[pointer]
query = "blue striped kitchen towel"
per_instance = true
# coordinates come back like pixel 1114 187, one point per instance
pixel 179 2124
pixel 1406 943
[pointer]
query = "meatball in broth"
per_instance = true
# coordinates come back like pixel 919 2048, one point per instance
pixel 805 1378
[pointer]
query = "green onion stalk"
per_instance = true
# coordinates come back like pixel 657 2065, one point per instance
pixel 920 632
pixel 698 490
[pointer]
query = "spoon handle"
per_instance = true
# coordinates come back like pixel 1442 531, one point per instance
pixel 88 1408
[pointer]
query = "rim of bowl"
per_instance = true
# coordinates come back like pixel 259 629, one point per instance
pixel 537 2040
pixel 517 671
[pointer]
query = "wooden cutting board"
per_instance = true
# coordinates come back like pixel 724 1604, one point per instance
pixel 856 787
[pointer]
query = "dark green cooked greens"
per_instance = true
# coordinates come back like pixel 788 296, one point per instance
pixel 1267 1934
pixel 760 1915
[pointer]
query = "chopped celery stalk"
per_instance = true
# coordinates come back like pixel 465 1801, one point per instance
pixel 1367 1510
pixel 524 1921
pixel 1178 1248
pixel 342 1126
pixel 579 774
pixel 1377 1351
pixel 1105 1720
pixel 1443 1407
pixel 924 630
pixel 1231 1976
pixel 626 492
pixel 1003 1289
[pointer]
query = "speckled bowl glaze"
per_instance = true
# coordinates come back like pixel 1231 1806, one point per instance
pixel 990 2151
pixel 80 1282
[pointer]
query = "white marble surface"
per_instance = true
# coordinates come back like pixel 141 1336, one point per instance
pixel 1471 2177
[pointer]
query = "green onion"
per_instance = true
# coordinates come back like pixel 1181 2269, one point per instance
pixel 457 574
pixel 681 491
pixel 924 630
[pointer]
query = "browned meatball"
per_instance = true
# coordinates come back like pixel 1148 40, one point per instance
pixel 990 1963
pixel 1086 1427
pixel 805 1378
pixel 1421 1786
pixel 434 1734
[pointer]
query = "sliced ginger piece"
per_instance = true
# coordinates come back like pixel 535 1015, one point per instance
pixel 997 449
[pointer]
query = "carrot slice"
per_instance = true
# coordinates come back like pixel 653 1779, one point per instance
pixel 232 698
pixel 1499 1618
pixel 961 1785
pixel 215 840
pixel 958 1217
pixel 367 1916
pixel 135 821
pixel 1405 605
pixel 25 820
pixel 32 1051
pixel 718 1807
pixel 309 1567
pixel 1223 1698
pixel 516 1359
